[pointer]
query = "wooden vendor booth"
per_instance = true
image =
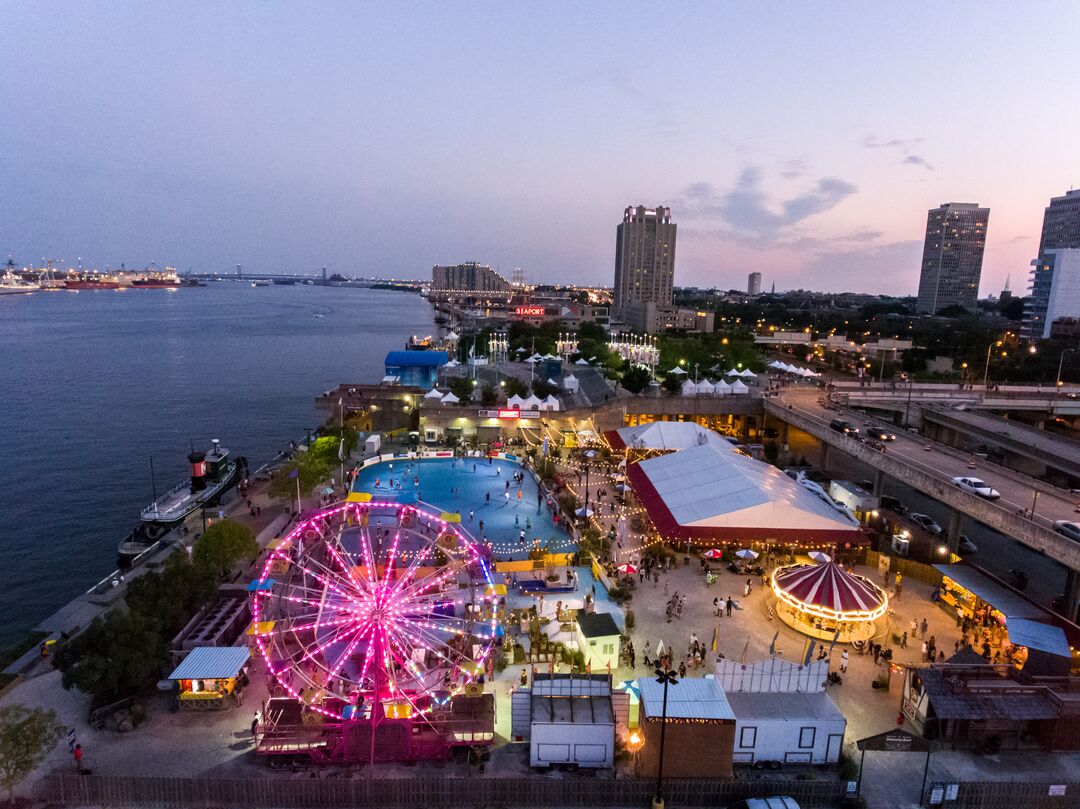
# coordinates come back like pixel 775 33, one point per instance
pixel 209 677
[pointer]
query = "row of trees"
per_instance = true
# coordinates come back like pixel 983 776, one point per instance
pixel 126 650
pixel 314 465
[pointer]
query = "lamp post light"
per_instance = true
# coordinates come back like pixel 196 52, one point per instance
pixel 665 678
pixel 1061 361
pixel 986 370
pixel 635 743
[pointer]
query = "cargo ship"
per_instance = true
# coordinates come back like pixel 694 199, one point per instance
pixel 92 282
pixel 164 280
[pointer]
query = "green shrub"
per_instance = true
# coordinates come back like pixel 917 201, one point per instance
pixel 519 653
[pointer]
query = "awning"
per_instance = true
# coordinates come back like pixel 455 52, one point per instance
pixel 212 663
pixel 1001 599
pixel 1038 636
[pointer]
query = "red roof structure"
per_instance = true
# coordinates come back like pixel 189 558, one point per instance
pixel 829 591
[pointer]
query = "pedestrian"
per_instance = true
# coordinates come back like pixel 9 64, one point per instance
pixel 471 515
pixel 730 604
pixel 524 678
pixel 903 641
pixel 77 757
pixel 693 642
pixel 923 627
pixel 682 669
pixel 656 577
pixel 925 649
pixel 641 575
pixel 899 584
pixel 914 627
pixel 716 606
pixel 843 662
pixel 255 723
pixel 941 657
pixel 646 653
pixel 668 612
pixel 746 588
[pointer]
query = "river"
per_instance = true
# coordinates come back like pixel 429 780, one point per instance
pixel 94 383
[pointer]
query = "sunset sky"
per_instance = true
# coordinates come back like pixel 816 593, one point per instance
pixel 804 141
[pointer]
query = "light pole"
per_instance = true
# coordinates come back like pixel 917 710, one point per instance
pixel 1061 361
pixel 588 454
pixel 986 371
pixel 665 678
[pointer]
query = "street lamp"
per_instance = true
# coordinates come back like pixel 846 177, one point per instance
pixel 986 371
pixel 1061 360
pixel 588 454
pixel 665 678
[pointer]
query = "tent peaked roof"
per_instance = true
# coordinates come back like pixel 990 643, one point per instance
pixel 434 393
pixel 830 587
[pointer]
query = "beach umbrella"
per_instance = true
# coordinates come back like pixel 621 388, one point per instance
pixel 628 569
pixel 820 556
pixel 713 553
pixel 584 512
pixel 746 553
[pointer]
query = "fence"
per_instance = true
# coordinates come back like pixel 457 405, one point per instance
pixel 1009 795
pixel 908 568
pixel 264 793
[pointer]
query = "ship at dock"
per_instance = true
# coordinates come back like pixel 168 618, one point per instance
pixel 157 280
pixel 212 474
pixel 87 281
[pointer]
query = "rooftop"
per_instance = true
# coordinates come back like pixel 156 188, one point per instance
pixel 589 710
pixel 791 705
pixel 211 663
pixel 416 359
pixel 597 624
pixel 690 698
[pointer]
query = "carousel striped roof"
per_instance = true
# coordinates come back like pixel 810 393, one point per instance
pixel 829 587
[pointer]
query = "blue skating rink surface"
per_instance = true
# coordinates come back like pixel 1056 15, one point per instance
pixel 462 485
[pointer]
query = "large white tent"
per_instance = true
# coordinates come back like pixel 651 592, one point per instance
pixel 515 401
pixel 747 374
pixel 677 371
pixel 550 403
pixel 689 388
pixel 722 388
pixel 532 403
pixel 710 491
pixel 450 398
pixel 664 435
pixel 738 388
pixel 705 388
pixel 433 394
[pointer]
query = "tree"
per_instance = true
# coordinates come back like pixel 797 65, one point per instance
pixel 636 379
pixel 515 387
pixel 544 388
pixel 488 395
pixel 310 471
pixel 673 383
pixel 26 737
pixel 118 655
pixel 461 387
pixel 223 545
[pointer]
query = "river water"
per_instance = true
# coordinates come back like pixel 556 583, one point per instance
pixel 92 384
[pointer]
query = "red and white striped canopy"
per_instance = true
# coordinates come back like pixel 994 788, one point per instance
pixel 830 589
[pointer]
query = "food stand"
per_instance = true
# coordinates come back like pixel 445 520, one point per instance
pixel 209 677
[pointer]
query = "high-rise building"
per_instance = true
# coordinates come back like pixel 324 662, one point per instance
pixel 753 284
pixel 952 257
pixel 1053 271
pixel 467 277
pixel 644 257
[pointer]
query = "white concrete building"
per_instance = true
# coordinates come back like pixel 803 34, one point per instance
pixel 1055 291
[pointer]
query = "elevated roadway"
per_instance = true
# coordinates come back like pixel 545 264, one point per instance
pixel 930 471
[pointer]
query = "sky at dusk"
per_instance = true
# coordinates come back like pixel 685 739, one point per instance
pixel 804 141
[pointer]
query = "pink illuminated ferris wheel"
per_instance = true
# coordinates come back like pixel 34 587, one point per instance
pixel 376 609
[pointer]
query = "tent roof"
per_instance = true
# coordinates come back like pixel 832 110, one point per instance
pixel 1038 636
pixel 211 663
pixel 515 401
pixel 533 401
pixel 738 386
pixel 829 586
pixel 434 393
pixel 663 435
pixel 450 398
pixel 710 491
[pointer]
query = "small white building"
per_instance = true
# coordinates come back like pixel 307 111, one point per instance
pixel 568 718
pixel 598 637
pixel 782 712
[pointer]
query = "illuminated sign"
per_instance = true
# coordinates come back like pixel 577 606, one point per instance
pixel 509 413
pixel 529 311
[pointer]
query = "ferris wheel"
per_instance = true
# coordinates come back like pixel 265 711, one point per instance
pixel 373 609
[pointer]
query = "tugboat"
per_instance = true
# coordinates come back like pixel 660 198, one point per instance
pixel 212 474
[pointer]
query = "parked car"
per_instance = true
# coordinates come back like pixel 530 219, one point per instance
pixel 893 504
pixel 967 547
pixel 925 523
pixel 843 426
pixel 977 486
pixel 1069 529
pixel 879 434
pixel 775 802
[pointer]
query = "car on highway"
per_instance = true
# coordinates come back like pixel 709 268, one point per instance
pixel 967 547
pixel 879 434
pixel 977 486
pixel 924 522
pixel 1068 528
pixel 843 426
pixel 893 504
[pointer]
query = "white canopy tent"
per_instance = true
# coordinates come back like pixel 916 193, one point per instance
pixel 433 394
pixel 532 403
pixel 689 388
pixel 581 361
pixel 732 372
pixel 722 388
pixel 515 401
pixel 677 371
pixel 570 383
pixel 747 374
pixel 550 403
pixel 705 388
pixel 450 398
pixel 738 387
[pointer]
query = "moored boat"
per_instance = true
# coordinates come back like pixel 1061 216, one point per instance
pixel 212 474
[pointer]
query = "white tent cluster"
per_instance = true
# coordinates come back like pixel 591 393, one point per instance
pixel 721 388
pixel 783 367
pixel 533 403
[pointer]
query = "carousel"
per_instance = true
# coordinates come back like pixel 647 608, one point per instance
pixel 823 600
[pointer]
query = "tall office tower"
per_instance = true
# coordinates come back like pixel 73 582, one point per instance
pixel 644 257
pixel 952 257
pixel 1054 271
pixel 753 284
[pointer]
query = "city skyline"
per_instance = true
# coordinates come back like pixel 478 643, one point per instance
pixel 287 141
